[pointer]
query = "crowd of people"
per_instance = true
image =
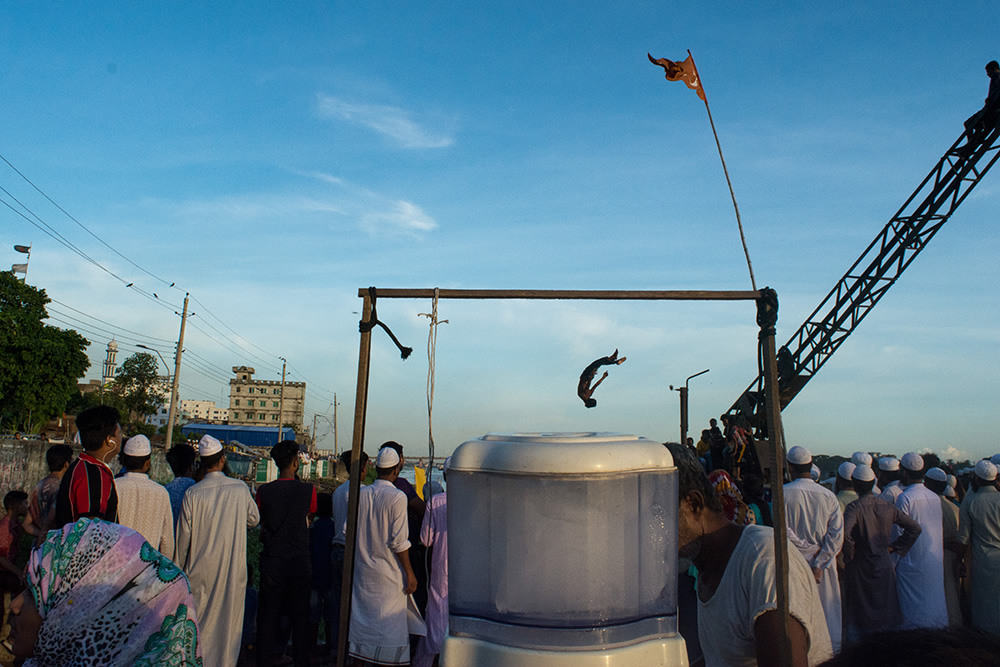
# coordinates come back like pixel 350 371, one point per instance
pixel 126 571
pixel 890 545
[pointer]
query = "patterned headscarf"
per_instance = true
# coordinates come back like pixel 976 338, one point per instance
pixel 106 597
pixel 732 503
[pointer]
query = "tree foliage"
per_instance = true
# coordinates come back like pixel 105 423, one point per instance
pixel 138 384
pixel 40 364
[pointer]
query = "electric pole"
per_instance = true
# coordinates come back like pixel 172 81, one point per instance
pixel 177 374
pixel 281 401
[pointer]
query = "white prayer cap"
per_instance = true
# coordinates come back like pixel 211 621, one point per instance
pixel 209 445
pixel 950 492
pixel 952 481
pixel 137 445
pixel 846 469
pixel 799 455
pixel 937 475
pixel 995 459
pixel 387 458
pixel 912 461
pixel 985 470
pixel 863 473
pixel 888 463
pixel 447 462
pixel 814 472
pixel 861 459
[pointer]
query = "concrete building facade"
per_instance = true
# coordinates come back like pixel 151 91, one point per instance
pixel 204 411
pixel 258 402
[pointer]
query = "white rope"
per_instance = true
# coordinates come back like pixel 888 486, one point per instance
pixel 431 353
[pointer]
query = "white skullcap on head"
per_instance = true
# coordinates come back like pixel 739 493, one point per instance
pixel 863 473
pixel 799 455
pixel 861 459
pixel 387 458
pixel 888 463
pixel 952 481
pixel 814 472
pixel 937 475
pixel 846 469
pixel 995 459
pixel 912 461
pixel 137 445
pixel 985 470
pixel 950 492
pixel 209 445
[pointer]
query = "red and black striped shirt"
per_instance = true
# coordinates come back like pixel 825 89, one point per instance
pixel 87 490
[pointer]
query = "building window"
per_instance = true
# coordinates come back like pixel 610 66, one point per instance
pixel 274 404
pixel 249 415
pixel 250 390
pixel 249 404
pixel 261 416
pixel 237 402
pixel 274 418
pixel 238 390
pixel 277 392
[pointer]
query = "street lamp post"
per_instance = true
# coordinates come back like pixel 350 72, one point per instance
pixel 684 404
pixel 281 399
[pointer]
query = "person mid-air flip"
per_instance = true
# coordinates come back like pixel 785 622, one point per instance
pixel 584 390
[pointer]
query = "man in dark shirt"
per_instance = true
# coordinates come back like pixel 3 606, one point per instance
pixel 983 121
pixel 286 505
pixel 12 581
pixel 87 488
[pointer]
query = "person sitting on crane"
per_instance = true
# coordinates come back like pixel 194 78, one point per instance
pixel 983 121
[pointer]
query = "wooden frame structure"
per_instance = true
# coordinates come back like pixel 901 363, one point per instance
pixel 767 311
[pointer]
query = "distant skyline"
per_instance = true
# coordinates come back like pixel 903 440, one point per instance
pixel 271 161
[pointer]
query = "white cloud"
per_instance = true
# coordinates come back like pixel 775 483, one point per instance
pixel 391 122
pixel 949 453
pixel 402 216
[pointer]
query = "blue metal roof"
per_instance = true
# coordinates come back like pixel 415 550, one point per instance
pixel 253 436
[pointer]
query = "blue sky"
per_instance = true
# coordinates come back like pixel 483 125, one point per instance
pixel 272 159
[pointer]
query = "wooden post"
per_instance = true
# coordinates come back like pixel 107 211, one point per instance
pixel 767 316
pixel 350 541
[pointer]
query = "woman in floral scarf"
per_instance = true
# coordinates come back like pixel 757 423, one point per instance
pixel 99 594
pixel 732 502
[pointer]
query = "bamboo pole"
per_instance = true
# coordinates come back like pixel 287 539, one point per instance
pixel 357 446
pixel 589 295
pixel 774 430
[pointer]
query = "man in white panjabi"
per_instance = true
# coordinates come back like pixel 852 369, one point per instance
pixel 936 480
pixel 920 573
pixel 865 459
pixel 979 527
pixel 888 475
pixel 144 505
pixel 212 550
pixel 813 514
pixel 383 577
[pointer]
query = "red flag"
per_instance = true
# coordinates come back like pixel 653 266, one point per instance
pixel 683 71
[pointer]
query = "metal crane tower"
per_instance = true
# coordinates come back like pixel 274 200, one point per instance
pixel 871 276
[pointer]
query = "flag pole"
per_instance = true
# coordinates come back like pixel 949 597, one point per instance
pixel 739 222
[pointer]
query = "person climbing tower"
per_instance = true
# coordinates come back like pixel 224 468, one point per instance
pixel 983 121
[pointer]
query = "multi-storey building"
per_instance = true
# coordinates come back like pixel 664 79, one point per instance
pixel 204 411
pixel 258 402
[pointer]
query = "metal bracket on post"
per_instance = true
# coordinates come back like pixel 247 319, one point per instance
pixel 767 317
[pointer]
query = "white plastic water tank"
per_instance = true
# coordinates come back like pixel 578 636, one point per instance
pixel 562 551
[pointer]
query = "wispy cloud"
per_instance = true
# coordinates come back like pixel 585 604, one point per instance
pixel 391 122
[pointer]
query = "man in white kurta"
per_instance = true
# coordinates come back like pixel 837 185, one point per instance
pixel 212 551
pixel 920 573
pixel 888 474
pixel 434 535
pixel 813 514
pixel 383 577
pixel 144 505
pixel 979 527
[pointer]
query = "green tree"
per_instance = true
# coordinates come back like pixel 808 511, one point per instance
pixel 40 364
pixel 138 385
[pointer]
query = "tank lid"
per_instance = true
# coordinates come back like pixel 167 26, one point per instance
pixel 565 453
